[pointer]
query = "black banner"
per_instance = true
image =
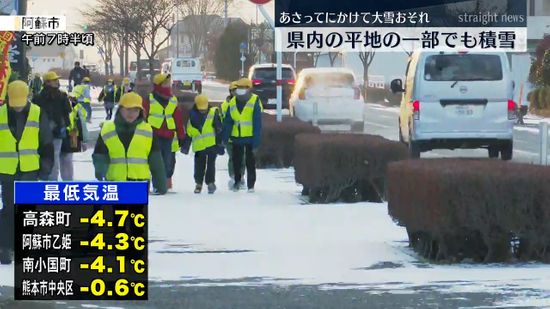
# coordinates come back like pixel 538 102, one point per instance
pixel 401 13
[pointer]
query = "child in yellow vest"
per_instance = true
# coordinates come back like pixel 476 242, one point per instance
pixel 204 130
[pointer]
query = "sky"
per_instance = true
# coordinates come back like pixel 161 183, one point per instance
pixel 239 8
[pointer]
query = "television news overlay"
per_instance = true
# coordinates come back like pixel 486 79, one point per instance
pixel 81 241
pixel 33 23
pixel 44 30
pixel 401 25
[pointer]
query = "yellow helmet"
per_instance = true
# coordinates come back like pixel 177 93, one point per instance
pixel 18 92
pixel 160 78
pixel 126 80
pixel 233 85
pixel 244 83
pixel 201 101
pixel 110 80
pixel 51 75
pixel 86 79
pixel 131 100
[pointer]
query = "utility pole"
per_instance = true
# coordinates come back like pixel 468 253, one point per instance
pixel 279 70
pixel 177 36
pixel 225 15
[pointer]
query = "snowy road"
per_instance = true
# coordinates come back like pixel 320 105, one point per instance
pixel 271 250
pixel 215 91
pixel 381 120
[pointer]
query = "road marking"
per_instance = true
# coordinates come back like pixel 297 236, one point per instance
pixel 526 152
pixel 379 125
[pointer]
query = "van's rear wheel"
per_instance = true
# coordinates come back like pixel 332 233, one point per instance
pixel 414 150
pixel 493 151
pixel 507 150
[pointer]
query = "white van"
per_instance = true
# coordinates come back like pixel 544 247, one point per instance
pixel 186 73
pixel 457 100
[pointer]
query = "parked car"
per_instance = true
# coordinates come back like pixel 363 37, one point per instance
pixel 457 100
pixel 92 68
pixel 264 83
pixel 329 95
pixel 144 63
pixel 187 73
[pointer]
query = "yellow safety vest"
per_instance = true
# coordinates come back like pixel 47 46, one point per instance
pixel 158 114
pixel 243 122
pixel 22 153
pixel 175 143
pixel 79 93
pixel 132 164
pixel 225 106
pixel 206 136
pixel 78 112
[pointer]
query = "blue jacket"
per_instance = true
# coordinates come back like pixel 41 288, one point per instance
pixel 228 122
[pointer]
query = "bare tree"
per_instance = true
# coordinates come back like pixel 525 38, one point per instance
pixel 261 36
pixel 202 17
pixel 366 58
pixel 332 56
pixel 103 32
pixel 118 44
pixel 158 26
pixel 316 56
pixel 102 38
pixel 125 17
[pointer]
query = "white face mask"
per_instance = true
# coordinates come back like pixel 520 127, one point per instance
pixel 240 91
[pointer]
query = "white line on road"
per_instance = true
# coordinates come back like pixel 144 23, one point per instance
pixel 378 125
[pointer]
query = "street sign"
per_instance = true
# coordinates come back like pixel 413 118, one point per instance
pixel 260 2
pixel 243 46
pixel 243 58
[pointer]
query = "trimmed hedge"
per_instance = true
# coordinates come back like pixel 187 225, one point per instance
pixel 539 99
pixel 482 210
pixel 277 148
pixel 348 167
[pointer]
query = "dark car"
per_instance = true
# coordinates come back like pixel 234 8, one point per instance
pixel 264 83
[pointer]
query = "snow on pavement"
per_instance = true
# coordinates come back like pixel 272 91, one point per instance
pixel 214 83
pixel 273 237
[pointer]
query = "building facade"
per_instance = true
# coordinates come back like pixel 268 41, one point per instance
pixel 45 58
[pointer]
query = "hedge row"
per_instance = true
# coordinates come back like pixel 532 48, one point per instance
pixel 348 167
pixel 482 210
pixel 277 148
pixel 539 99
